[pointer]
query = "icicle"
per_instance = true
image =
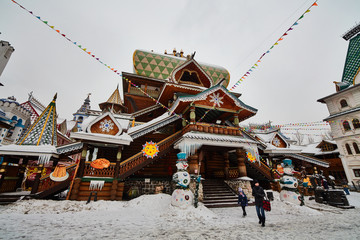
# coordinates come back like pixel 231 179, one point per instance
pixel 94 154
pixel 96 185
pixel 87 155
pixel 44 159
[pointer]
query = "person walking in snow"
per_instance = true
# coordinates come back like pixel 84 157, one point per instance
pixel 259 194
pixel 242 200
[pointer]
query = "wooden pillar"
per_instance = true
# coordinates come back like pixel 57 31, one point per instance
pixel 2 173
pixel 36 184
pixel 192 115
pixel 118 160
pixel 236 120
pixel 193 161
pixel 82 161
pixel 241 158
pixel 201 159
pixel 226 164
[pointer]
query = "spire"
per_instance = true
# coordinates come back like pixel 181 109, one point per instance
pixel 114 102
pixel 43 131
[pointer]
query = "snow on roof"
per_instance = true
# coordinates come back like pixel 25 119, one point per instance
pixel 70 125
pixel 216 137
pixel 155 120
pixel 87 121
pixel 124 138
pixel 28 149
pixel 266 137
pixel 313 149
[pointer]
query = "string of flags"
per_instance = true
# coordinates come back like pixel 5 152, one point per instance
pixel 255 65
pixel 91 54
pixel 116 71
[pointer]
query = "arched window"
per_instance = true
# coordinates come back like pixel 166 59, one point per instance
pixel 346 126
pixel 343 103
pixel 356 147
pixel 356 123
pixel 348 149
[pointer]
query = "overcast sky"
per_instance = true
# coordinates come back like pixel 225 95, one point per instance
pixel 232 34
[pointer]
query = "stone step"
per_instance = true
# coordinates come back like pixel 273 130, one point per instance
pixel 220 197
pixel 221 205
pixel 208 201
pixel 219 194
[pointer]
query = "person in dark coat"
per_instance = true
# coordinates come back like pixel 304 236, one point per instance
pixel 242 200
pixel 259 194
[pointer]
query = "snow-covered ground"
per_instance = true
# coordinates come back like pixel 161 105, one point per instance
pixel 152 217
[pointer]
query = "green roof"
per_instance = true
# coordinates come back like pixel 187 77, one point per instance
pixel 352 63
pixel 43 131
pixel 160 66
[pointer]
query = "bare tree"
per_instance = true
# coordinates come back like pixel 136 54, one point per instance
pixel 299 137
pixel 326 136
pixel 311 139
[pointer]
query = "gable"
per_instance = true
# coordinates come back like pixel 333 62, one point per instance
pixel 105 124
pixel 191 73
pixel 278 141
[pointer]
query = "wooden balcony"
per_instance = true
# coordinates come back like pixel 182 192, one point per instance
pixel 92 172
pixel 212 128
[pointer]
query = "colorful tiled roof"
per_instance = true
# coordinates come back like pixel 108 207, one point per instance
pixel 160 66
pixel 43 131
pixel 352 63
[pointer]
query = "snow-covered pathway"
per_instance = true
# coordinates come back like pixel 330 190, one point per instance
pixel 152 217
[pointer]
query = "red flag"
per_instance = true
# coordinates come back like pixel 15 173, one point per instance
pixel 315 4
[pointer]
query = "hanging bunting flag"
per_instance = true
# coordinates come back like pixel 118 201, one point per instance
pixel 280 39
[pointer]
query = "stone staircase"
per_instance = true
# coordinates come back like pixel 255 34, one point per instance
pixel 11 197
pixel 218 195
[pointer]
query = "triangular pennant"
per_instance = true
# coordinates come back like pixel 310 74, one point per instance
pixel 97 59
pixel 307 11
pixel 93 55
pixel 295 24
pixel 46 22
pixel 63 35
pixel 301 17
pixel 58 31
pixel 276 43
pixel 84 49
pixel 38 17
pixel 280 39
pixel 315 4
pixel 79 46
pixel 89 52
pixel 289 29
pixel 285 34
pixel 52 26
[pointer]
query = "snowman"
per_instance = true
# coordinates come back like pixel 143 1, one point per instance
pixel 182 196
pixel 289 184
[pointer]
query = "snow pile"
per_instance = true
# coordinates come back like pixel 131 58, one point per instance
pixel 153 217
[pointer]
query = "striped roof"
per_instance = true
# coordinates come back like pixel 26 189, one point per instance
pixel 43 131
pixel 160 66
pixel 352 63
pixel 115 97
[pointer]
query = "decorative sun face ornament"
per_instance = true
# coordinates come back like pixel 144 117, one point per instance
pixel 216 99
pixel 251 157
pixel 150 150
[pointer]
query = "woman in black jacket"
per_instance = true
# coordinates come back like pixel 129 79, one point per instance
pixel 259 194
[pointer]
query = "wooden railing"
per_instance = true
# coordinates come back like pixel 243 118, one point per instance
pixel 46 183
pixel 106 172
pixel 212 128
pixel 263 168
pixel 137 161
pixel 233 172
